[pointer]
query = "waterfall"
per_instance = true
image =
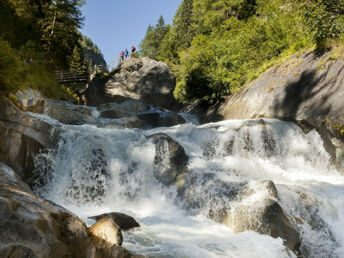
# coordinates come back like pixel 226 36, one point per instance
pixel 233 168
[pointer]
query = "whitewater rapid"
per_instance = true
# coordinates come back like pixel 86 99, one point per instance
pixel 97 170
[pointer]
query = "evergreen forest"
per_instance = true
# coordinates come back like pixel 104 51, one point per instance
pixel 39 37
pixel 214 47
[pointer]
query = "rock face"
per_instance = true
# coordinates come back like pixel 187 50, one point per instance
pixel 143 79
pixel 307 89
pixel 33 227
pixel 124 221
pixel 170 160
pixel 22 136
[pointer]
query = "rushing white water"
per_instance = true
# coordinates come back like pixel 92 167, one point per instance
pixel 98 170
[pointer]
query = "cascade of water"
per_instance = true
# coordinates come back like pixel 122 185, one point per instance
pixel 230 166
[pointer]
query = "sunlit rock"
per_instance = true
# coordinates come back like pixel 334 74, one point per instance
pixel 124 221
pixel 143 79
pixel 106 229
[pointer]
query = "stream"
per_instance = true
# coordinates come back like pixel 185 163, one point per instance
pixel 96 170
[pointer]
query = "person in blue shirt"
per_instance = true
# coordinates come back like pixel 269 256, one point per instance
pixel 126 53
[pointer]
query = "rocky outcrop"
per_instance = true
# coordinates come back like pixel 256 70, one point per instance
pixel 170 160
pixel 307 89
pixel 33 227
pixel 22 136
pixel 65 112
pixel 143 79
pixel 124 221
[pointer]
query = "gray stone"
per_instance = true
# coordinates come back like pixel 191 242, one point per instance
pixel 307 89
pixel 68 113
pixel 33 227
pixel 22 136
pixel 265 217
pixel 142 79
pixel 124 221
pixel 170 160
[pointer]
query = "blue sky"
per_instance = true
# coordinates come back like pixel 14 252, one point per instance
pixel 117 24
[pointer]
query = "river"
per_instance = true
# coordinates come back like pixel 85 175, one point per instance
pixel 95 170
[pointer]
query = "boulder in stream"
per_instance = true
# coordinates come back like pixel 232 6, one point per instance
pixel 170 160
pixel 124 221
pixel 137 78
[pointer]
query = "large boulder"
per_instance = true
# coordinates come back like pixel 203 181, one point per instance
pixel 22 136
pixel 124 221
pixel 144 79
pixel 33 227
pixel 241 206
pixel 307 89
pixel 264 216
pixel 170 159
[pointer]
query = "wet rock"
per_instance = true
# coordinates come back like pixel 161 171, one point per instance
pixel 171 120
pixel 242 141
pixel 240 206
pixel 68 113
pixel 106 229
pixel 264 216
pixel 22 137
pixel 114 114
pixel 170 160
pixel 142 79
pixel 29 100
pixel 33 227
pixel 127 108
pixel 124 221
pixel 156 120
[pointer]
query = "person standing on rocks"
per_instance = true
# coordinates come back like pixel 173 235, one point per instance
pixel 133 49
pixel 122 55
pixel 126 53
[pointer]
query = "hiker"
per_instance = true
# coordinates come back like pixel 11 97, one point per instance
pixel 29 60
pixel 133 49
pixel 122 55
pixel 126 53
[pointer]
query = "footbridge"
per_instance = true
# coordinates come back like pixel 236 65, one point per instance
pixel 82 76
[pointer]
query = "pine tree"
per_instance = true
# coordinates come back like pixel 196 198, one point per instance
pixel 150 45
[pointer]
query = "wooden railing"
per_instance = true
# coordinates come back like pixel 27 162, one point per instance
pixel 74 76
pixel 77 76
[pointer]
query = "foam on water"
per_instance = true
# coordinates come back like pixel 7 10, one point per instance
pixel 97 170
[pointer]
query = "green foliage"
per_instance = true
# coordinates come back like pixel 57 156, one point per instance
pixel 16 75
pixel 45 32
pixel 11 68
pixel 77 61
pixel 215 47
pixel 150 45
pixel 325 19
